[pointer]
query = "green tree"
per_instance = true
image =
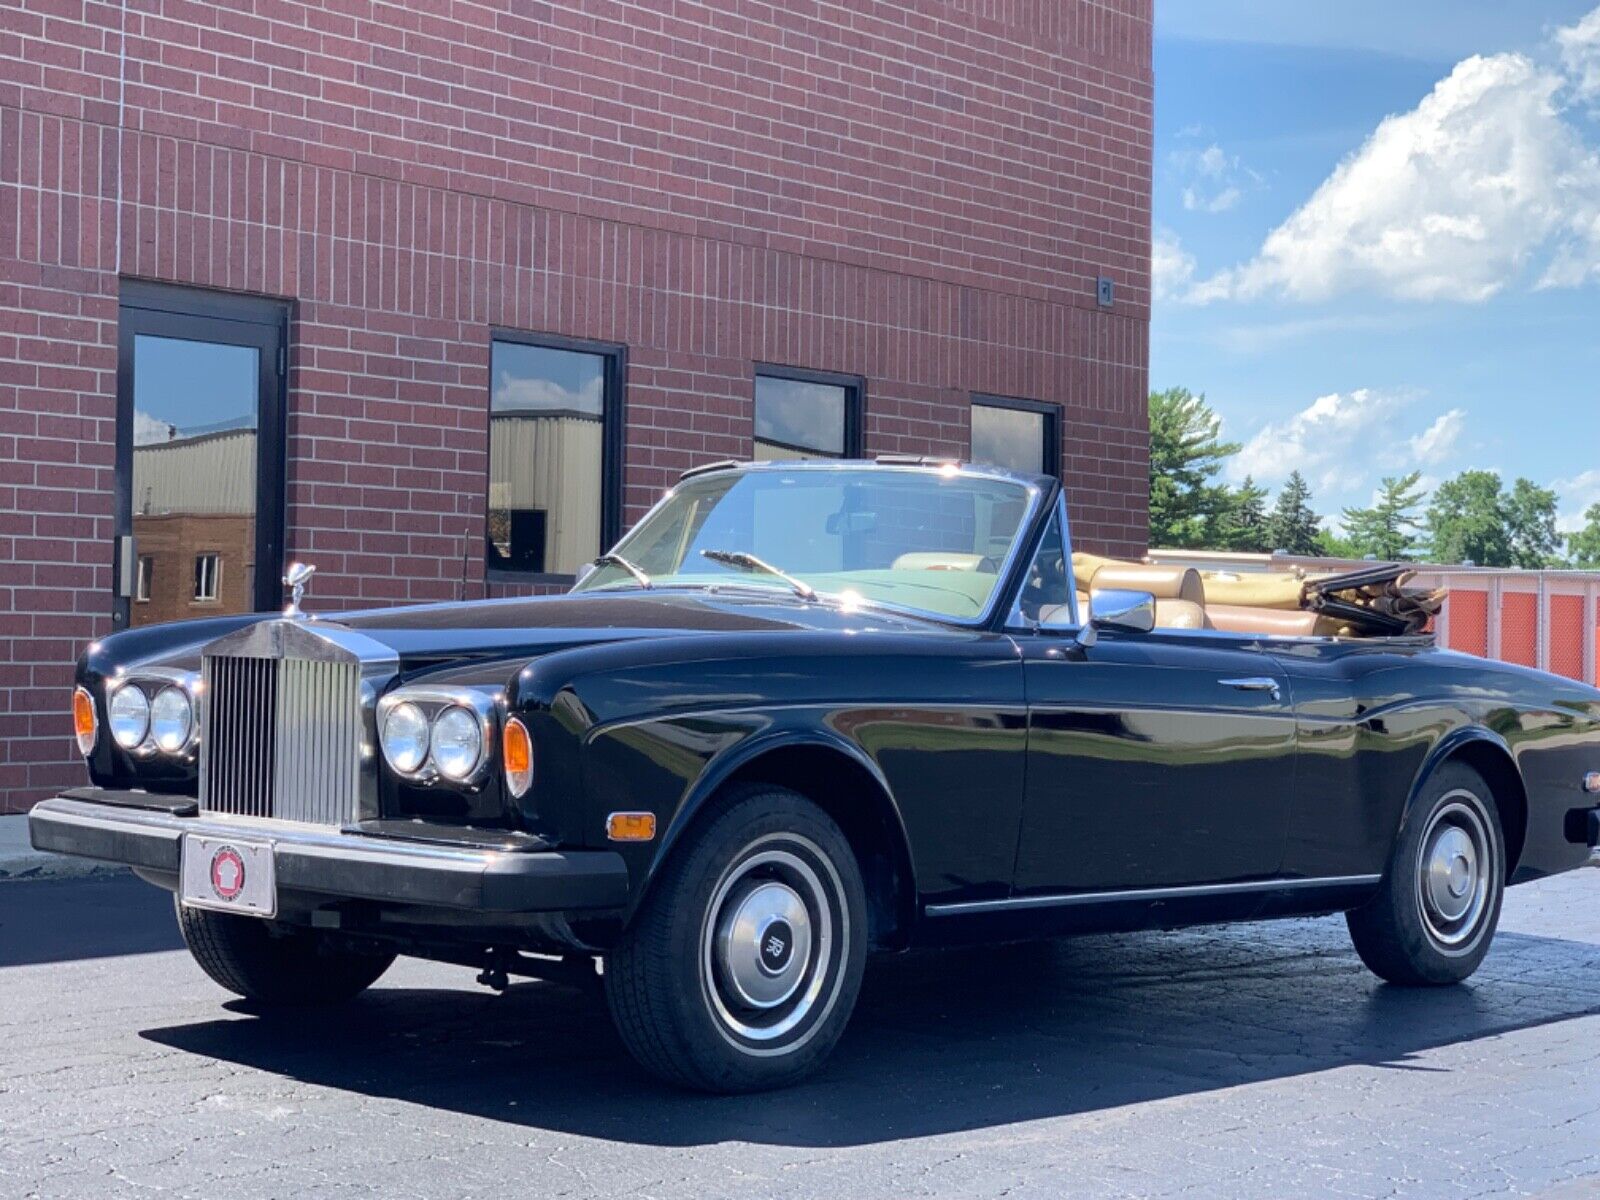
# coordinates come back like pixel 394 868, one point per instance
pixel 1531 525
pixel 1247 520
pixel 1583 547
pixel 1331 545
pixel 1467 521
pixel 1474 519
pixel 1388 530
pixel 1188 508
pixel 1293 527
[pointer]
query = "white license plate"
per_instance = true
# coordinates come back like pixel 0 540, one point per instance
pixel 230 874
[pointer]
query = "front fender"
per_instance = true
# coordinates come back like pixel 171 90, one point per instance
pixel 1448 747
pixel 730 762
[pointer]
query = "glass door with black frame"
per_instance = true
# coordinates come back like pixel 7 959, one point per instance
pixel 201 496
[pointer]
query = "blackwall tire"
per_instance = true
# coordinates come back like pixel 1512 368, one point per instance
pixel 741 968
pixel 1439 903
pixel 273 966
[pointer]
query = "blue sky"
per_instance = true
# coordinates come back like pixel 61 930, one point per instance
pixel 1378 237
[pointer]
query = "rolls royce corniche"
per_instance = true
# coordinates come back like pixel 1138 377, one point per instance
pixel 807 711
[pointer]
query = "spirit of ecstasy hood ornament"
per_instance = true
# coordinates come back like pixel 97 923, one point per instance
pixel 298 575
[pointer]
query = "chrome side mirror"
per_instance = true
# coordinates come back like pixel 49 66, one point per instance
pixel 1113 608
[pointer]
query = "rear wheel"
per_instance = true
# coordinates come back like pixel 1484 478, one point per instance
pixel 1436 910
pixel 742 966
pixel 276 966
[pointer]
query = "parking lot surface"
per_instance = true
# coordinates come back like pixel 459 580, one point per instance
pixel 1258 1060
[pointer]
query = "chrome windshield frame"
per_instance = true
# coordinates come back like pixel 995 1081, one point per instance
pixel 1015 623
pixel 1004 576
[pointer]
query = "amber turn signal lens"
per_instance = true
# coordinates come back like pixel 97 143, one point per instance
pixel 516 751
pixel 631 826
pixel 85 725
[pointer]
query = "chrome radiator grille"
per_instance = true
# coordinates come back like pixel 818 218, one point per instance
pixel 281 738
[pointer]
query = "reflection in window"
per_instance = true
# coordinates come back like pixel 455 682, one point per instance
pixel 800 418
pixel 546 457
pixel 195 421
pixel 207 568
pixel 1015 436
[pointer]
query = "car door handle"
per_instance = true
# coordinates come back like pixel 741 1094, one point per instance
pixel 1254 683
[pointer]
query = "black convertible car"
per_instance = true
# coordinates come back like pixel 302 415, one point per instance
pixel 802 712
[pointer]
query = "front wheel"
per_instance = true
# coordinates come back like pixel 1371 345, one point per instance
pixel 743 964
pixel 1437 907
pixel 276 966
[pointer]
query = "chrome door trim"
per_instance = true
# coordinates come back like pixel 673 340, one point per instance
pixel 1255 683
pixel 1136 895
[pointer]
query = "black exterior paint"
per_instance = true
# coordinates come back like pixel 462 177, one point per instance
pixel 981 765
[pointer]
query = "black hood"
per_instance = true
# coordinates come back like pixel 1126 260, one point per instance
pixel 542 624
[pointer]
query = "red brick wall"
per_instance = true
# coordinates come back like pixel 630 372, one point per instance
pixel 917 191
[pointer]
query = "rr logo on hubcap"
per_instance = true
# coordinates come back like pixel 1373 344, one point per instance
pixel 777 945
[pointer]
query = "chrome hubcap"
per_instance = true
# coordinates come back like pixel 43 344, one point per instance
pixel 772 933
pixel 1455 873
pixel 764 944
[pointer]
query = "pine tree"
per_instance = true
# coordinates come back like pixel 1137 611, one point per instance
pixel 1388 530
pixel 1293 527
pixel 1247 522
pixel 1187 508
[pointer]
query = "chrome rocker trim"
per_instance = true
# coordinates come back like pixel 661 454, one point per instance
pixel 1138 895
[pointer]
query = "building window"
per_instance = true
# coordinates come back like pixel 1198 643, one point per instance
pixel 207 570
pixel 807 414
pixel 555 470
pixel 141 586
pixel 1020 435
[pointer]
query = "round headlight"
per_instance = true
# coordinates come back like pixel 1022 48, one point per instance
pixel 130 716
pixel 171 719
pixel 405 738
pixel 457 742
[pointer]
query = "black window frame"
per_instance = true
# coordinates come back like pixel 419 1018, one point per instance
pixel 613 425
pixel 155 309
pixel 855 404
pixel 1052 424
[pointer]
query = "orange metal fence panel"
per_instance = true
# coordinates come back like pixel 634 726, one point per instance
pixel 1566 636
pixel 1519 628
pixel 1468 614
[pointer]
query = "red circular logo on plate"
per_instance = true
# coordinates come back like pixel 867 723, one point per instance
pixel 227 873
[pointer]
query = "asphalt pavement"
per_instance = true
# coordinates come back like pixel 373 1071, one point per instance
pixel 1251 1061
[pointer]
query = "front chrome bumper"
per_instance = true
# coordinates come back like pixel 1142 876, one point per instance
pixel 146 832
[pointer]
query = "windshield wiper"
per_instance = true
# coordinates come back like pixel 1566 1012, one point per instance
pixel 738 558
pixel 616 560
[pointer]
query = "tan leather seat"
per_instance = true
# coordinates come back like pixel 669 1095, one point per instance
pixel 1180 614
pixel 1238 618
pixel 1164 583
pixel 936 560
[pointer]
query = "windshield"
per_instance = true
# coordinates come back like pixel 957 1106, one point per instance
pixel 931 541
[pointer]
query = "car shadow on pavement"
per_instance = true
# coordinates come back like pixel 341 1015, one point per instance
pixel 940 1042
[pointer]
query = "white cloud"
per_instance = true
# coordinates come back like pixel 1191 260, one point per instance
pixel 530 393
pixel 1576 495
pixel 147 430
pixel 1344 441
pixel 1171 266
pixel 1452 200
pixel 1438 441
pixel 1215 179
pixel 1580 54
